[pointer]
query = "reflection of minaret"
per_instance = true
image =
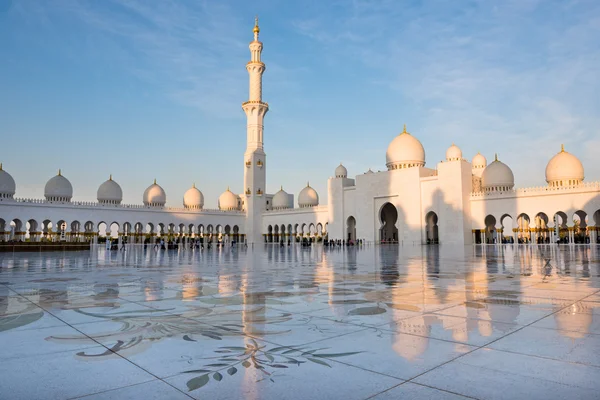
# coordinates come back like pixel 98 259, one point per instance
pixel 255 158
pixel 253 321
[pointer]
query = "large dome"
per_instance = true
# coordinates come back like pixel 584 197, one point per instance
pixel 193 198
pixel 453 153
pixel 341 171
pixel 564 169
pixel 308 197
pixel 155 196
pixel 58 188
pixel 7 185
pixel 228 201
pixel 497 176
pixel 405 151
pixel 110 192
pixel 280 200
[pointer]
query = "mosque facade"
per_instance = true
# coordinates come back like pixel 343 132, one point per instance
pixel 457 202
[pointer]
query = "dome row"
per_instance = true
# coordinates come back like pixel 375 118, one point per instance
pixel 405 151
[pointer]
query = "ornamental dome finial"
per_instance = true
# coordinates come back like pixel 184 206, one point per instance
pixel 0 166
pixel 59 172
pixel 155 181
pixel 110 177
pixel 404 130
pixel 495 156
pixel 256 29
pixel 562 148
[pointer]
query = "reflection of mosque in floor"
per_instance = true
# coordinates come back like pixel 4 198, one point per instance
pixel 499 290
pixel 455 201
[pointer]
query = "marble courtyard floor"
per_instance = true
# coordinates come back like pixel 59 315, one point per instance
pixel 382 322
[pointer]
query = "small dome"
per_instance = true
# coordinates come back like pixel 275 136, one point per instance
pixel 564 169
pixel 228 201
pixel 280 200
pixel 193 198
pixel 478 164
pixel 497 176
pixel 110 192
pixel 453 153
pixel 308 197
pixel 7 184
pixel 58 188
pixel 341 171
pixel 155 196
pixel 405 151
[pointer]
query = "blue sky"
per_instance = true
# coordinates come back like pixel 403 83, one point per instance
pixel 148 89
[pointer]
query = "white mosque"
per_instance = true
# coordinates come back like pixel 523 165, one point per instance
pixel 455 202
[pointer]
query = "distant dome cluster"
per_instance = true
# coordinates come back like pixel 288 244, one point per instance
pixel 405 151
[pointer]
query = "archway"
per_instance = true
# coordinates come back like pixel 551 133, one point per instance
pixel 523 227
pixel 580 234
pixel 431 228
pixel 490 229
pixel 388 215
pixel 561 229
pixel 75 231
pixel 236 233
pixel 351 229
pixel 507 229
pixel 596 224
pixel 89 231
pixel 541 228
pixel 16 230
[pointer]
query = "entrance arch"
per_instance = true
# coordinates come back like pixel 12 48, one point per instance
pixel 388 215
pixel 351 229
pixel 490 229
pixel 431 228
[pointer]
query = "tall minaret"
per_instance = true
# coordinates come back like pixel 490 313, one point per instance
pixel 255 164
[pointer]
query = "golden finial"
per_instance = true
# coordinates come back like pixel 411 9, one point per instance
pixel 155 181
pixel 59 172
pixel 281 188
pixel 194 185
pixel 404 131
pixel 307 184
pixel 110 177
pixel 495 156
pixel 0 166
pixel 256 28
pixel 228 188
pixel 562 148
